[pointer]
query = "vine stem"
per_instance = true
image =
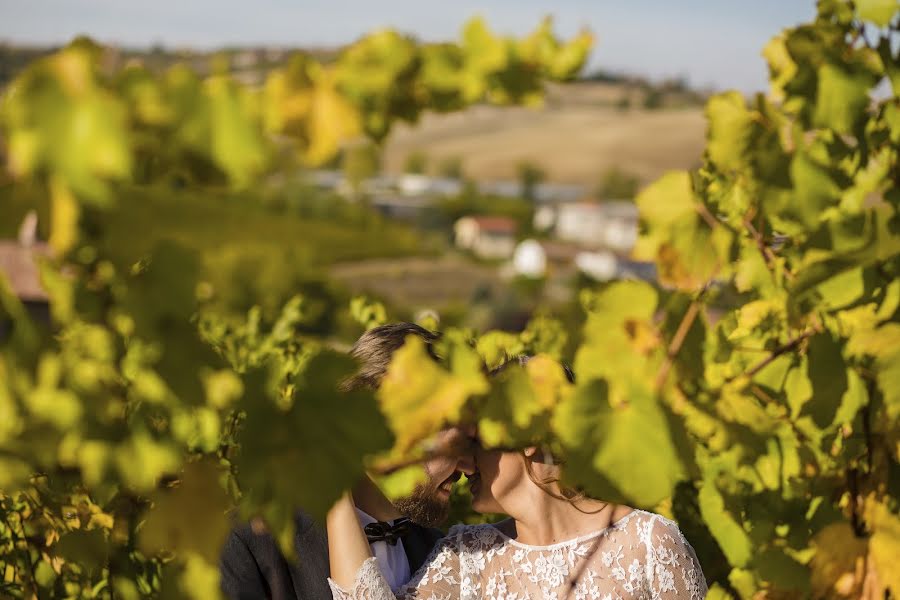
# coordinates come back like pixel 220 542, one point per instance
pixel 677 340
pixel 783 349
pixel 680 335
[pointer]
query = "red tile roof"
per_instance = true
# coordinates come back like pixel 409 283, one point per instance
pixel 496 224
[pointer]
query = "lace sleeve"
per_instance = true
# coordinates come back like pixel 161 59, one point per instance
pixel 673 570
pixel 437 579
pixel 370 584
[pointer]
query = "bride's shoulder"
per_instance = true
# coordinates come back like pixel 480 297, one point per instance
pixel 649 527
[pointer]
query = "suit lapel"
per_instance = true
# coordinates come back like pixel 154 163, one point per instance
pixel 418 544
pixel 311 567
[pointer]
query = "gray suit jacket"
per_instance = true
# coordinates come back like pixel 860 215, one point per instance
pixel 252 566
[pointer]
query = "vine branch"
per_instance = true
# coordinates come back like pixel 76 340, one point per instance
pixel 789 346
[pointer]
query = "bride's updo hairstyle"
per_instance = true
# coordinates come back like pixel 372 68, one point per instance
pixel 543 454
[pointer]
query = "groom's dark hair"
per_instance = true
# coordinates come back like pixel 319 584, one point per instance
pixel 375 348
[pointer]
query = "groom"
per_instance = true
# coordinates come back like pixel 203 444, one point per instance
pixel 400 534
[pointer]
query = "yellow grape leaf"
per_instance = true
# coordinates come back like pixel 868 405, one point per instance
pixel 332 121
pixel 367 312
pixel 223 388
pixel 835 566
pixel 882 343
pixel 62 120
pixel 781 66
pixel 540 46
pixel 191 517
pixel 64 217
pixel 238 147
pixel 619 344
pixel 496 346
pixel 287 95
pixel 419 397
pixel 548 380
pixel 517 411
pixel 879 12
pixel 51 401
pixel 401 483
pixel 754 314
pixel 681 236
pixel 570 58
pixel 885 543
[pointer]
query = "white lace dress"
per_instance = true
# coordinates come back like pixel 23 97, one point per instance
pixel 643 555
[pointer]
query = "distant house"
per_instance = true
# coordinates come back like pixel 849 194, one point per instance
pixel 487 237
pixel 611 225
pixel 535 259
pixel 19 266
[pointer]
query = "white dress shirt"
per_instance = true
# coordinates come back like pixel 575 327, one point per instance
pixel 391 559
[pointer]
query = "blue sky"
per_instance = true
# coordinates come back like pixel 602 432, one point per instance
pixel 711 42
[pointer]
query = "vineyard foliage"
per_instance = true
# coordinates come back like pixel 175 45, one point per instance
pixel 754 394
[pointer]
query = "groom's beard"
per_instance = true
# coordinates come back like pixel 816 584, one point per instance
pixel 424 507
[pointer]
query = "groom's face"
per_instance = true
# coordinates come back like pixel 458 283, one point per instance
pixel 429 504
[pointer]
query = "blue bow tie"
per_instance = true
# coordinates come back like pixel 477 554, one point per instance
pixel 379 531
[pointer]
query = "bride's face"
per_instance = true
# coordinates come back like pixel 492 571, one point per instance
pixel 497 475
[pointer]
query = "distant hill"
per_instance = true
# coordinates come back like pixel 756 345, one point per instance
pixel 582 130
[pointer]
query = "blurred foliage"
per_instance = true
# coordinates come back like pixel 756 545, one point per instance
pixel 186 357
pixel 359 163
pixel 769 424
pixel 529 175
pixel 617 184
pixel 416 163
pixel 451 167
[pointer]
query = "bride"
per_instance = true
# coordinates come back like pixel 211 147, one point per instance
pixel 555 544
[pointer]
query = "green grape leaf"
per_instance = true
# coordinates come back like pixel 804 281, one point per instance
pixel 843 97
pixel 828 378
pixel 141 460
pixel 191 517
pixel 857 242
pixel 617 453
pixel 320 439
pixel 730 128
pixel 88 548
pixel 883 344
pixel 730 535
pixel 192 577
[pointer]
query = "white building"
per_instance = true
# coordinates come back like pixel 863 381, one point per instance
pixel 486 237
pixel 536 259
pixel 612 225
